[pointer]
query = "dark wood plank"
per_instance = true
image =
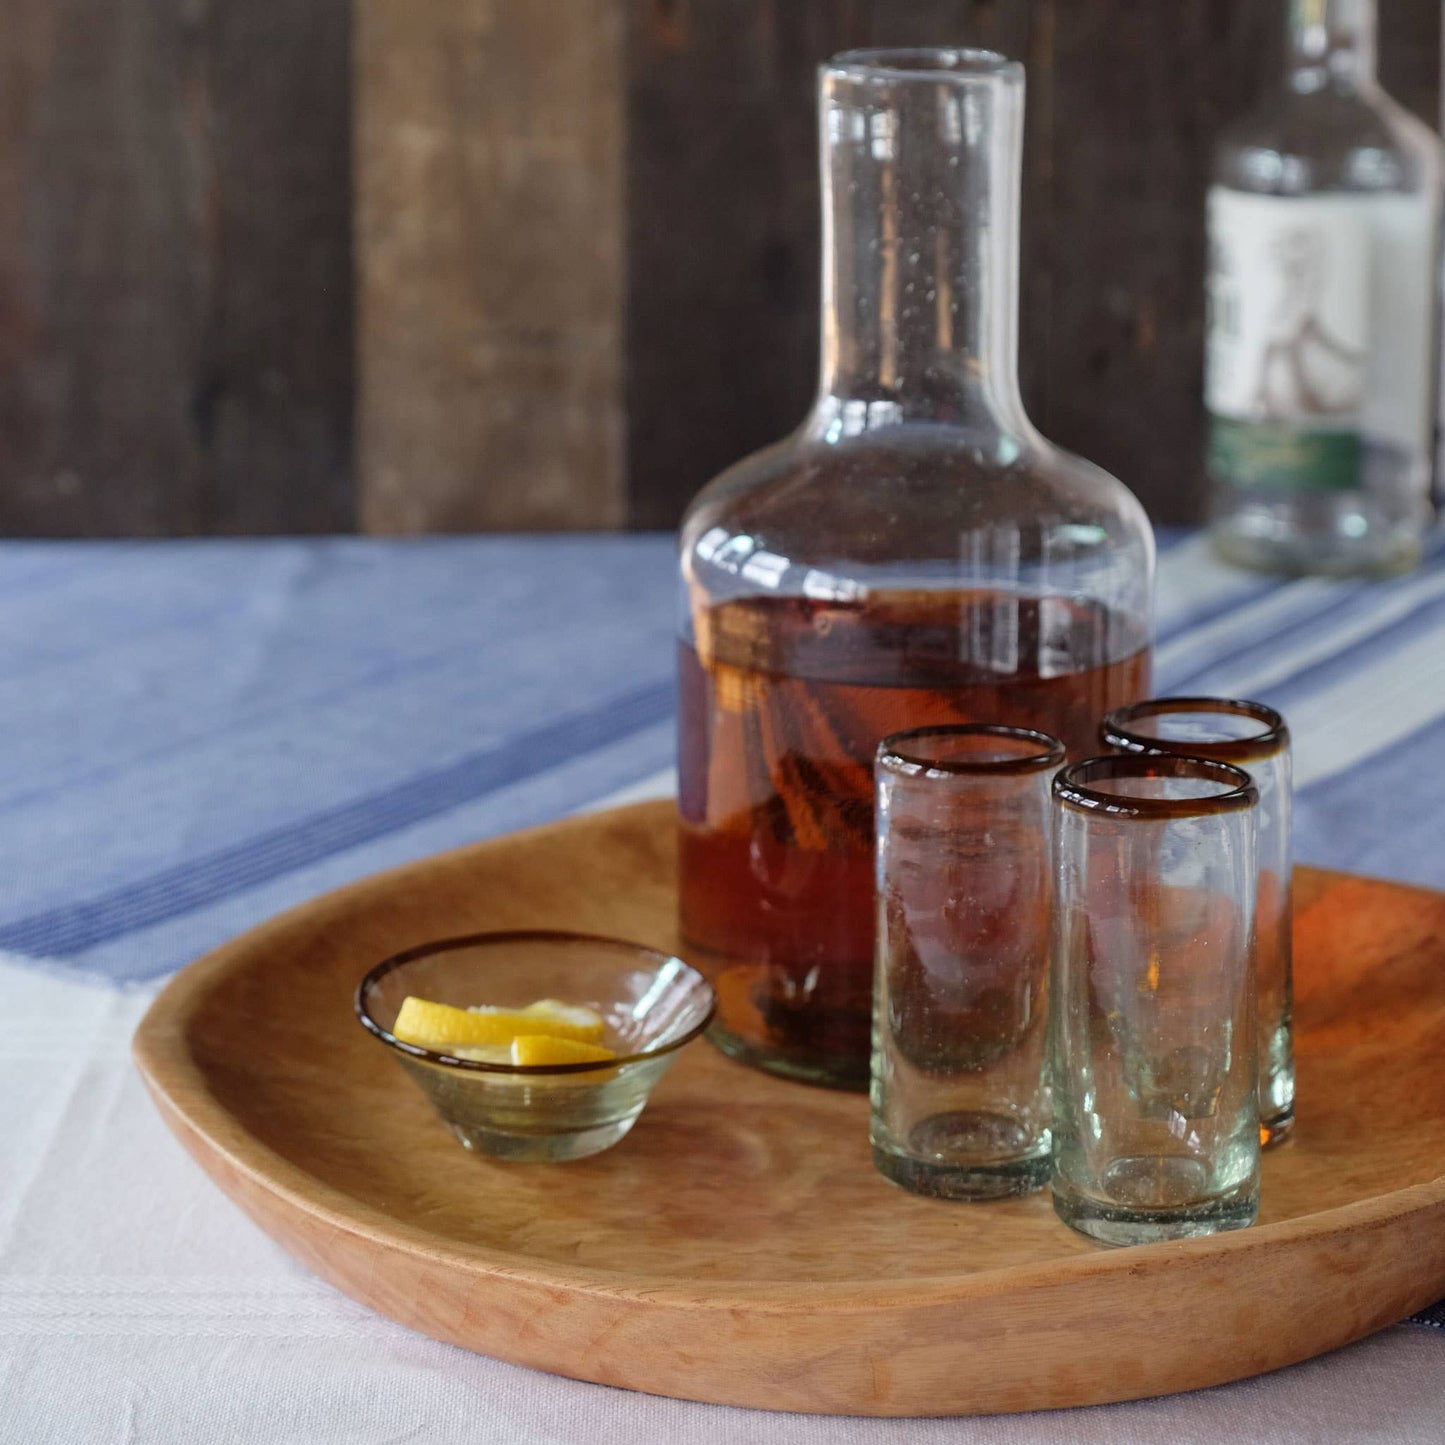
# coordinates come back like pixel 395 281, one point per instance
pixel 722 241
pixel 1130 155
pixel 1126 101
pixel 1410 56
pixel 1138 95
pixel 174 267
pixel 176 292
pixel 275 414
pixel 490 287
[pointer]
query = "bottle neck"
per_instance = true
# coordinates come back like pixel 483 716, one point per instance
pixel 921 154
pixel 1331 43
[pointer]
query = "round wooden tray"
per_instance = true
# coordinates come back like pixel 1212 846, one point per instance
pixel 738 1245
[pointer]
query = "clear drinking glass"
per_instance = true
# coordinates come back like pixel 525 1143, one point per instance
pixel 1154 1063
pixel 965 889
pixel 915 553
pixel 1253 737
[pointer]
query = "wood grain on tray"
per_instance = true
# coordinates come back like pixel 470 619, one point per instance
pixel 738 1246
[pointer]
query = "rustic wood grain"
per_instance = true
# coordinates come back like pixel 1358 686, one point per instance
pixel 175 288
pixel 737 1246
pixel 1126 99
pixel 489 222
pixel 723 221
pixel 1139 95
pixel 588 243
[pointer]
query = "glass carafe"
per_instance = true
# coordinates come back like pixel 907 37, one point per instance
pixel 914 554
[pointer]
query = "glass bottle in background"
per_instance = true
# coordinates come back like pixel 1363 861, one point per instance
pixel 1323 221
pixel 915 554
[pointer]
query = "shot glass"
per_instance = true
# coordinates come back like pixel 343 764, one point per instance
pixel 1154 1063
pixel 1253 737
pixel 959 1106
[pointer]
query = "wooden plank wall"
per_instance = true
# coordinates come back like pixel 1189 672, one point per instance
pixel 175 267
pixel 1125 100
pixel 490 229
pixel 585 246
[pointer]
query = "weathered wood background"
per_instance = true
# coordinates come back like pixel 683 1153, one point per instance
pixel 175 267
pixel 453 264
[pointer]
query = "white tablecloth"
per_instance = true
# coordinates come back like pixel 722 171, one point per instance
pixel 179 719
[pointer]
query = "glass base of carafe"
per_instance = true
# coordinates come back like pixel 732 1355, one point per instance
pixel 829 1072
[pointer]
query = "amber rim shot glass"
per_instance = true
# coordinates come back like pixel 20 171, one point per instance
pixel 959 1102
pixel 1154 1066
pixel 1254 737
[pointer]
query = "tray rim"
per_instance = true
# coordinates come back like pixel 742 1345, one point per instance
pixel 207 1128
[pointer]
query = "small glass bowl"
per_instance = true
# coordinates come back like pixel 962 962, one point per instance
pixel 652 1005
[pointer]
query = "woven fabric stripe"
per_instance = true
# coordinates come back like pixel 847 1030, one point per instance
pixel 63 931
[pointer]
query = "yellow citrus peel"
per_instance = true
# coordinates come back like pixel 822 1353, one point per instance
pixel 535 1049
pixel 441 1026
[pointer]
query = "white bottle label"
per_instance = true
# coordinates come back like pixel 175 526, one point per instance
pixel 1319 335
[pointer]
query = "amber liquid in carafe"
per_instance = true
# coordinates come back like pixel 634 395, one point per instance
pixel 783 702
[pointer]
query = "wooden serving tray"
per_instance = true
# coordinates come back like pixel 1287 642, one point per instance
pixel 738 1245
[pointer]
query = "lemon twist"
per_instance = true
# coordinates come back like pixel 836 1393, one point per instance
pixel 441 1026
pixel 537 1049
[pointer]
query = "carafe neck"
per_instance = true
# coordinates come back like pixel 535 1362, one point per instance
pixel 921 154
pixel 1331 43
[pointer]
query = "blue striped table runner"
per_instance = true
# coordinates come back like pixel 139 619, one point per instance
pixel 199 734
